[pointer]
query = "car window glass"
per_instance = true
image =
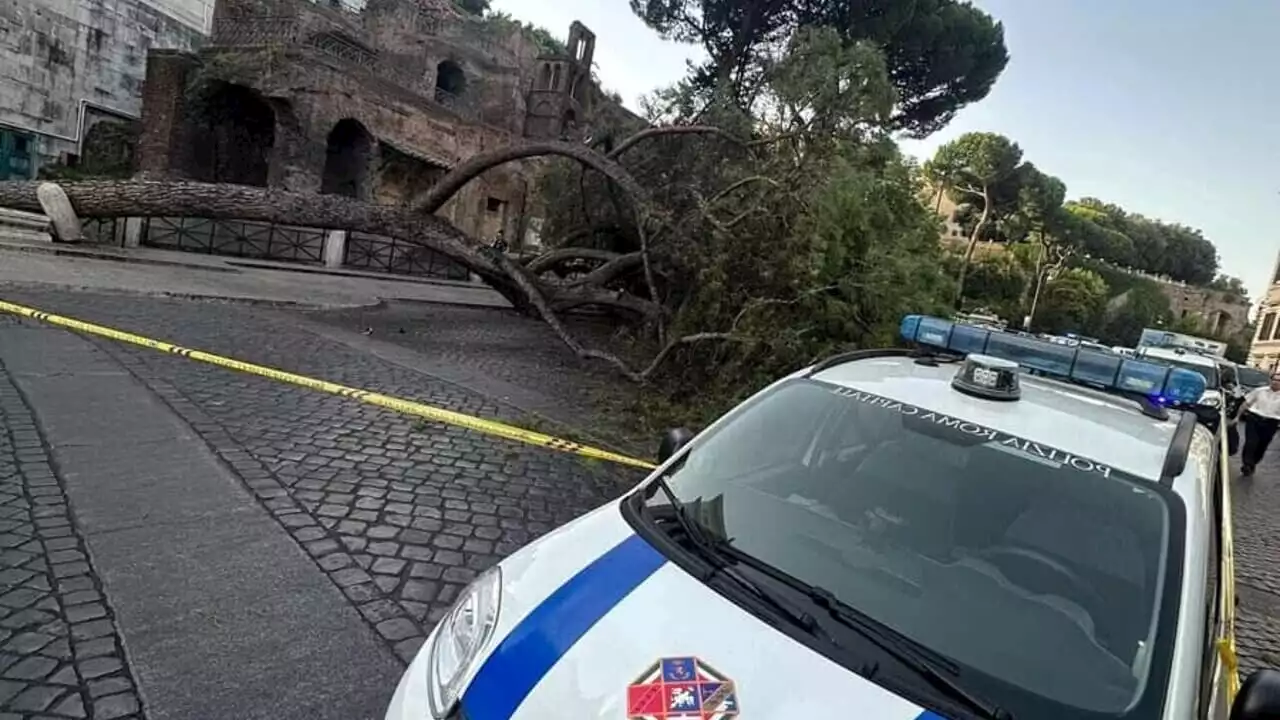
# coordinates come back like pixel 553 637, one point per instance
pixel 962 537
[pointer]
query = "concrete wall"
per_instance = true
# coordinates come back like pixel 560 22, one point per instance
pixel 65 64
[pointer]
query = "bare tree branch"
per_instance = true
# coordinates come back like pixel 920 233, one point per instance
pixel 476 165
pixel 653 132
pixel 551 258
pixel 617 266
pixel 667 349
pixel 762 302
pixel 569 297
pixel 742 183
pixel 518 274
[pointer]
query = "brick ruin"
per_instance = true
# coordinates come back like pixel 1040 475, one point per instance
pixel 374 104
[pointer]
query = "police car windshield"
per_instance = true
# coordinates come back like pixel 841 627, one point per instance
pixel 1039 572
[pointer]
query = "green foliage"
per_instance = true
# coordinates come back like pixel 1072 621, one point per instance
pixel 941 55
pixel 1127 239
pixel 998 283
pixel 972 163
pixel 1232 286
pixel 1040 198
pixel 970 167
pixel 798 248
pixel 1074 301
pixel 501 23
pixel 828 87
pixel 106 154
pixel 859 254
pixel 1142 305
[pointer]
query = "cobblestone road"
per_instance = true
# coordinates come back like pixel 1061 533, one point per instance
pixel 1257 548
pixel 498 348
pixel 400 513
pixel 60 655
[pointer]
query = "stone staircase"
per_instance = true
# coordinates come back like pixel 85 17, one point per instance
pixel 17 226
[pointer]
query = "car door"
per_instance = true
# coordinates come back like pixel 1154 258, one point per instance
pixel 1215 678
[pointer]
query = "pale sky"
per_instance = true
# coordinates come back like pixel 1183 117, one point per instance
pixel 1164 107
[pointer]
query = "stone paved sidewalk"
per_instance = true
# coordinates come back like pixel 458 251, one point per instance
pixel 60 653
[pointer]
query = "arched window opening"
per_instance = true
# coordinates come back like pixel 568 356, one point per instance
pixel 450 80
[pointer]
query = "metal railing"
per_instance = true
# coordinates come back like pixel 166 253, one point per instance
pixel 389 255
pixel 249 31
pixel 235 238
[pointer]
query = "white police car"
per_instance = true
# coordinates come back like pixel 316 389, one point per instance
pixel 1207 366
pixel 889 534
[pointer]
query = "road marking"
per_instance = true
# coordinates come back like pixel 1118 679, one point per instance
pixel 408 407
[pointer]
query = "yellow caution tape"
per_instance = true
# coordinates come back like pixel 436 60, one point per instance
pixel 429 412
pixel 1227 571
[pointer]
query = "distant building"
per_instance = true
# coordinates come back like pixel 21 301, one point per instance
pixel 1265 351
pixel 70 64
pixel 940 202
pixel 375 103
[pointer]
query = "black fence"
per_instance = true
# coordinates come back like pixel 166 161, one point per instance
pixel 384 254
pixel 260 241
pixel 103 231
pixel 269 241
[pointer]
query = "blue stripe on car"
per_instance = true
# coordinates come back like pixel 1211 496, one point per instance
pixel 929 715
pixel 538 642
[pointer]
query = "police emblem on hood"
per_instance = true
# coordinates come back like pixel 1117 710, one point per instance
pixel 681 687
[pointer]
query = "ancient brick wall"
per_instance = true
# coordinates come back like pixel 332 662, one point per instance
pixel 417 86
pixel 162 106
pixel 1219 313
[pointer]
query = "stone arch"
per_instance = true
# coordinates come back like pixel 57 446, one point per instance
pixel 544 77
pixel 450 78
pixel 570 119
pixel 347 161
pixel 1220 322
pixel 235 132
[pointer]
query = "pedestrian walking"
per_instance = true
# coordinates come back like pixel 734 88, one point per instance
pixel 1261 414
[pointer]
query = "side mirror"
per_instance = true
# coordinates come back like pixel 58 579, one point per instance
pixel 672 441
pixel 1259 697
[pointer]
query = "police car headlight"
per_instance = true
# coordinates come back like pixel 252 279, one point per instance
pixel 460 637
pixel 1211 401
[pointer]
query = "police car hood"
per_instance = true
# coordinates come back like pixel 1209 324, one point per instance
pixel 595 623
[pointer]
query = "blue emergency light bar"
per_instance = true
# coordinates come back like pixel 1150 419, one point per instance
pixel 1110 371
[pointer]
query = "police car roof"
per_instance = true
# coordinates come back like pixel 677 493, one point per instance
pixel 1090 423
pixel 1187 356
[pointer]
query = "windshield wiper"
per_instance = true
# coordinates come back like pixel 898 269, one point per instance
pixel 936 670
pixel 720 555
pixel 925 663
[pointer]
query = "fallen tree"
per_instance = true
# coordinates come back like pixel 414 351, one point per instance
pixel 526 287
pixel 732 248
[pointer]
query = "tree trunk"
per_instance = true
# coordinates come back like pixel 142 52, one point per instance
pixel 1035 297
pixel 973 243
pixel 477 165
pixel 240 202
